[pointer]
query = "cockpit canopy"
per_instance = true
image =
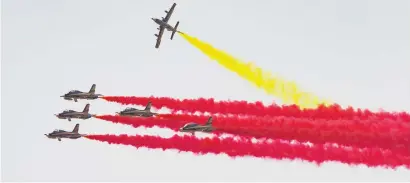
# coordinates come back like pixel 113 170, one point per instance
pixel 129 109
pixel 57 130
pixel 68 111
pixel 74 91
pixel 189 125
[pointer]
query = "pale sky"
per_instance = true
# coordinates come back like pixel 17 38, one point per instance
pixel 354 52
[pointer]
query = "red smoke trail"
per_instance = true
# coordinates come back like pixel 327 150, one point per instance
pixel 348 133
pixel 146 122
pixel 258 109
pixel 371 157
pixel 361 133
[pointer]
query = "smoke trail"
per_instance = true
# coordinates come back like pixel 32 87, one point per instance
pixel 287 91
pixel 371 133
pixel 258 109
pixel 278 150
pixel 145 122
pixel 348 133
pixel 148 122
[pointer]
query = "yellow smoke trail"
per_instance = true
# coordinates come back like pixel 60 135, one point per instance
pixel 287 91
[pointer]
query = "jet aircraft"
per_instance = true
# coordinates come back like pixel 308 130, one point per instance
pixel 69 114
pixel 137 112
pixel 59 134
pixel 194 127
pixel 163 24
pixel 75 94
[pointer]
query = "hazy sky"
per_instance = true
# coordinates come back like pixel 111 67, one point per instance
pixel 351 51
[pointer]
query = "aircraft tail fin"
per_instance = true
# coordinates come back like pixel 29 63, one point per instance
pixel 209 122
pixel 76 128
pixel 148 107
pixel 92 90
pixel 175 29
pixel 86 108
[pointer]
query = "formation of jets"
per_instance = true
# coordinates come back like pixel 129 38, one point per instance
pixel 75 95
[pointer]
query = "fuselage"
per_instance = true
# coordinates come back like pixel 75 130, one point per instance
pixel 141 113
pixel 163 24
pixel 80 115
pixel 80 95
pixel 193 127
pixel 58 135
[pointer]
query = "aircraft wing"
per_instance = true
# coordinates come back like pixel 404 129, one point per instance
pixel 159 36
pixel 169 13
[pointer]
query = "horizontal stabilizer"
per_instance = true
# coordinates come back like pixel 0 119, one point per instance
pixel 175 29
